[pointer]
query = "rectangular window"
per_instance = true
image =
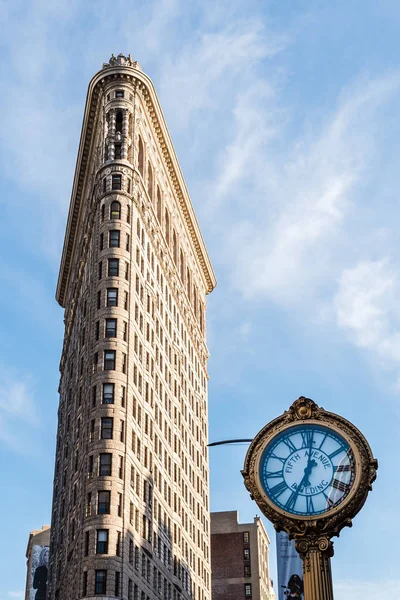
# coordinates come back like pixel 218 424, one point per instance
pixel 113 267
pixel 106 428
pixel 246 537
pixel 117 582
pixel 128 242
pixel 247 590
pixel 108 393
pixel 125 332
pixel 100 269
pixel 126 301
pixel 84 584
pixel 101 241
pixel 119 94
pixel 130 587
pixel 112 297
pixel 109 360
pixel 105 464
pixel 111 328
pixel 118 153
pixel 100 586
pixel 86 543
pixel 103 503
pixel 113 240
pixel 116 182
pixel 102 541
pixel 98 299
pixel 246 554
pixel 97 330
pixel 247 571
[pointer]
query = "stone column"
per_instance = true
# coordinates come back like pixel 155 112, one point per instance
pixel 125 134
pixel 111 135
pixel 316 555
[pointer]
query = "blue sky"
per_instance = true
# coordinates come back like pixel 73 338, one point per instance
pixel 286 121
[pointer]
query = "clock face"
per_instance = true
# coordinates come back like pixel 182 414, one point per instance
pixel 307 469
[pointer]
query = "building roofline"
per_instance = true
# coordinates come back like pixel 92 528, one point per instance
pixel 131 72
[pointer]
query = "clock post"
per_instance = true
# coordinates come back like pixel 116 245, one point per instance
pixel 310 471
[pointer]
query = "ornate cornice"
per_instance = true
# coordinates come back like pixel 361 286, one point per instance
pixel 122 67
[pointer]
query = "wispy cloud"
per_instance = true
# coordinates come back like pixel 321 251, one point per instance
pixel 17 410
pixel 19 594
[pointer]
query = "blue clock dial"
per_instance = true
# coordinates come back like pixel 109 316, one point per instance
pixel 307 469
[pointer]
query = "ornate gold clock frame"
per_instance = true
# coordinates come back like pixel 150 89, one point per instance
pixel 312 534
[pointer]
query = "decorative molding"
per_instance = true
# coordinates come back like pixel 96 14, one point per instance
pixel 123 68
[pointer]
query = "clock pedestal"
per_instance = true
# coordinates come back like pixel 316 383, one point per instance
pixel 317 576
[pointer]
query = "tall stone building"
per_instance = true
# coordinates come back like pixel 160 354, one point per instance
pixel 239 558
pixel 131 494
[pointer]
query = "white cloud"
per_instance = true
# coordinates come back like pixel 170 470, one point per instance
pixel 366 590
pixel 17 410
pixel 367 309
pixel 19 594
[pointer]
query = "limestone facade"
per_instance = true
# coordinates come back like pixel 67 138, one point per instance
pixel 131 494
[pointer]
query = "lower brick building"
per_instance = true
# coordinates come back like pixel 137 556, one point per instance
pixel 239 558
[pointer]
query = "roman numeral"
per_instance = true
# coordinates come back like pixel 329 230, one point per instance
pixel 278 457
pixel 291 502
pixel 329 501
pixel 339 485
pixel 290 445
pixel 274 473
pixel 342 468
pixel 323 441
pixel 310 504
pixel 277 490
pixel 338 451
pixel 307 437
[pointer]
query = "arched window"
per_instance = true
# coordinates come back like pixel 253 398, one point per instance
pixel 167 226
pixel 159 205
pixel 182 266
pixel 115 210
pixel 141 157
pixel 150 180
pixel 174 248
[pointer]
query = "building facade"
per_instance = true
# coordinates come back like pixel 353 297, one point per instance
pixel 239 558
pixel 37 558
pixel 131 495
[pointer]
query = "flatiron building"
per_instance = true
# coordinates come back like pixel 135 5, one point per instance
pixel 130 515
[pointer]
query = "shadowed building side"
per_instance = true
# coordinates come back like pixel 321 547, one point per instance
pixel 239 558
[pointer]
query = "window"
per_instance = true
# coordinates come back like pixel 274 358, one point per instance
pixel 100 274
pixel 119 94
pixel 101 241
pixel 103 501
pixel 111 328
pixel 128 213
pixel 108 393
pixel 98 299
pixel 113 267
pixel 117 581
pixel 246 537
pixel 115 210
pixel 84 584
pixel 97 330
pixel 247 571
pixel 86 543
pixel 105 463
pixel 109 360
pixel 141 157
pixel 106 428
pixel 116 183
pixel 246 554
pixel 102 541
pixel 100 582
pixel 112 297
pixel 247 590
pixel 113 240
pixel 117 154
